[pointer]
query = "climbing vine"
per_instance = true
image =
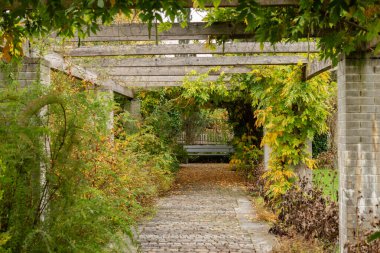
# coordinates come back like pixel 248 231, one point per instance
pixel 292 112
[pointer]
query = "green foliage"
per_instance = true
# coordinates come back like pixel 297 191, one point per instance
pixel 21 19
pixel 161 114
pixel 4 237
pixel 341 26
pixel 374 236
pixel 292 112
pixel 246 155
pixel 67 186
pixel 236 99
pixel 320 144
pixel 328 181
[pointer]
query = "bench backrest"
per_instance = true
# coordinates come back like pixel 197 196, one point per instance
pixel 208 148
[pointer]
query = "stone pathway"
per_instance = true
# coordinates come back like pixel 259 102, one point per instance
pixel 208 211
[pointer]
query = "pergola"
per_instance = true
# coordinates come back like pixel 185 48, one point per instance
pixel 120 67
pixel 155 65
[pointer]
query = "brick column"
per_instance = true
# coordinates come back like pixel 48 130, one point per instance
pixel 358 143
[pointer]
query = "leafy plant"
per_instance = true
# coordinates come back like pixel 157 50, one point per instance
pixel 320 144
pixel 67 186
pixel 339 27
pixel 305 211
pixel 373 237
pixel 246 155
pixel 292 112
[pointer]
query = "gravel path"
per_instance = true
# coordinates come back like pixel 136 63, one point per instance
pixel 207 211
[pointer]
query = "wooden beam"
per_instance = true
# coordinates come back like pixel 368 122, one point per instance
pixel 147 79
pixel 140 32
pixel 193 31
pixel 151 84
pixel 57 62
pixel 176 49
pixel 169 71
pixel 316 67
pixel 197 61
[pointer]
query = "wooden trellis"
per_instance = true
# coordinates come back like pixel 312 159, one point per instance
pixel 135 71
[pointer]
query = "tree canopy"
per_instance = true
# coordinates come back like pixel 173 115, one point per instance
pixel 340 26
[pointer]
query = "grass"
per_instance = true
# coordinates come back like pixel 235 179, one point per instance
pixel 298 244
pixel 328 180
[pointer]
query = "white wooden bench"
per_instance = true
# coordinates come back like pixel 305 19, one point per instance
pixel 209 150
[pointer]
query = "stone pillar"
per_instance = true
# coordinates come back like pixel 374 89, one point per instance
pixel 135 108
pixel 267 151
pixel 30 71
pixel 358 143
pixel 44 77
pixel 303 172
pixel 108 97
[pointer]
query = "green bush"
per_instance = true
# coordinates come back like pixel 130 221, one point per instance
pixel 320 144
pixel 95 188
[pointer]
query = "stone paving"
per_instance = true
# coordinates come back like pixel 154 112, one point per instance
pixel 208 211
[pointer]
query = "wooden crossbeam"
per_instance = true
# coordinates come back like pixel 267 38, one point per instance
pixel 316 67
pixel 177 49
pixel 157 84
pixel 57 62
pixel 193 31
pixel 147 79
pixel 197 61
pixel 169 70
pixel 140 32
pixel 151 84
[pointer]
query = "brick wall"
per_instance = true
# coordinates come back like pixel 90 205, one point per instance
pixel 358 143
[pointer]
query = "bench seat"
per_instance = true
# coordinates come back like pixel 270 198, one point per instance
pixel 209 150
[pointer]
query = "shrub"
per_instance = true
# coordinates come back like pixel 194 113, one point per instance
pixel 305 211
pixel 319 144
pixel 94 188
pixel 246 155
